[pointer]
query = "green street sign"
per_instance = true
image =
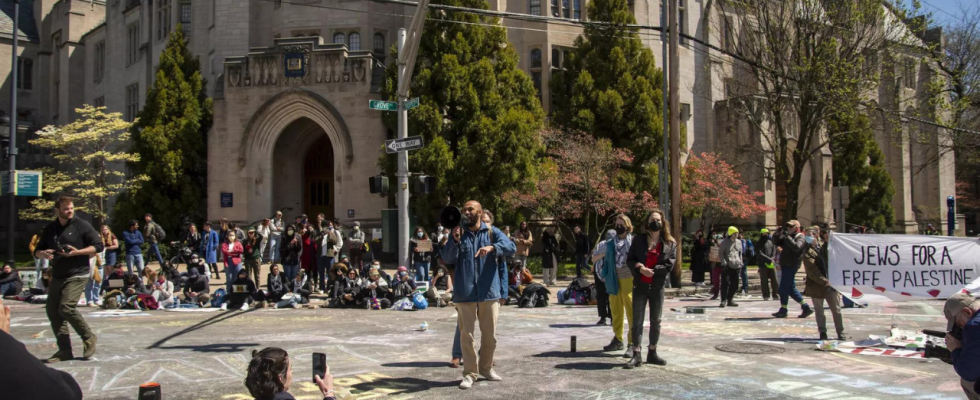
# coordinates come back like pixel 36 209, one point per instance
pixel 26 183
pixel 412 103
pixel 382 105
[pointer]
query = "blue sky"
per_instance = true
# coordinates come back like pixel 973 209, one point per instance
pixel 937 7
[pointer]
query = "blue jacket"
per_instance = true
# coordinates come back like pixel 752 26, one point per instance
pixel 132 241
pixel 966 359
pixel 209 246
pixel 478 279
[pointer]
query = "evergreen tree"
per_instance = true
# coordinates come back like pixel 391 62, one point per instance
pixel 170 135
pixel 611 88
pixel 479 114
pixel 860 164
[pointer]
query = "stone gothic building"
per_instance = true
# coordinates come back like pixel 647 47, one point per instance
pixel 291 81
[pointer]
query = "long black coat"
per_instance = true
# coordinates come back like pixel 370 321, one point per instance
pixel 549 256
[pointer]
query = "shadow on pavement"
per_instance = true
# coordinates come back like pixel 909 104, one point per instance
pixel 418 364
pixel 568 354
pixel 214 348
pixel 792 340
pixel 200 325
pixel 398 386
pixel 750 319
pixel 590 366
pixel 575 326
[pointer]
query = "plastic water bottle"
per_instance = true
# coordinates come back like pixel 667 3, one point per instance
pixel 424 327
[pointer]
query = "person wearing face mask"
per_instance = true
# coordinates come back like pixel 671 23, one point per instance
pixel 232 251
pixel 793 243
pixel 374 290
pixel 308 257
pixel 210 244
pixel 290 249
pixel 524 240
pixel 619 281
pixel 421 258
pixel 549 257
pixel 651 259
pixel 699 258
pixel 714 239
pixel 730 258
pixel 403 285
pixel 766 258
pixel 355 244
pixel 817 285
pixel 330 245
pixel 602 297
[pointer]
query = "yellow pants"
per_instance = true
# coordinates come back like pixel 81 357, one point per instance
pixel 622 304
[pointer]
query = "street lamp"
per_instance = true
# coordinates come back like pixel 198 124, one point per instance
pixel 11 120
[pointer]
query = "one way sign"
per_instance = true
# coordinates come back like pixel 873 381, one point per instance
pixel 410 143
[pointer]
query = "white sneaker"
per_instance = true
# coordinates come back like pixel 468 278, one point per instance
pixel 81 302
pixel 466 383
pixel 321 292
pixel 224 306
pixel 492 376
pixel 244 307
pixel 98 303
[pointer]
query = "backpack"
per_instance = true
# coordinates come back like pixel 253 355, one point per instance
pixel 148 302
pixel 160 234
pixel 218 297
pixel 419 301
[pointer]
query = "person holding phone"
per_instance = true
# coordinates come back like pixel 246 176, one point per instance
pixel 270 375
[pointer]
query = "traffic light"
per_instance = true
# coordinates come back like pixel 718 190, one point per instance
pixel 423 184
pixel 378 184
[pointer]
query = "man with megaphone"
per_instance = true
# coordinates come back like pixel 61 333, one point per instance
pixel 480 286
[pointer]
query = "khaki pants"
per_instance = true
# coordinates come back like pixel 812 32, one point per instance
pixel 468 313
pixel 61 306
pixel 832 297
pixel 621 305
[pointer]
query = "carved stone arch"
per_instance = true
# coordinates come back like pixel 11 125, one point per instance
pixel 275 115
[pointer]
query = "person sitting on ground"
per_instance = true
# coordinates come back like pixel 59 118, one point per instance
pixel 519 276
pixel 270 375
pixel 197 288
pixel 10 283
pixel 198 263
pixel 347 291
pixel 275 284
pixel 297 291
pixel 42 283
pixel 132 285
pixel 163 291
pixel 374 292
pixel 149 276
pixel 242 292
pixel 440 288
pixel 116 276
pixel 403 285
pixel 338 274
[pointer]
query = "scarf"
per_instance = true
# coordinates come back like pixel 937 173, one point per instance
pixel 616 251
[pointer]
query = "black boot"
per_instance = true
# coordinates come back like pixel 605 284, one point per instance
pixel 653 358
pixel 732 303
pixel 823 335
pixel 615 345
pixel 780 314
pixel 807 311
pixel 635 361
pixel 602 321
pixel 722 304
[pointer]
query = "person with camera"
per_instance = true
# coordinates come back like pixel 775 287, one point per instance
pixel 962 312
pixel 270 376
pixel 793 243
pixel 481 286
pixel 68 242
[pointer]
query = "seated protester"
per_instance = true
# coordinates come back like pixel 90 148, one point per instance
pixel 42 283
pixel 149 276
pixel 519 277
pixel 10 283
pixel 403 285
pixel 338 273
pixel 114 278
pixel 132 285
pixel 275 284
pixel 270 374
pixel 242 292
pixel 347 291
pixel 440 288
pixel 374 291
pixel 197 288
pixel 297 291
pixel 198 263
pixel 163 291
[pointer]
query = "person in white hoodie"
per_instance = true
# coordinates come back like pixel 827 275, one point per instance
pixel 331 242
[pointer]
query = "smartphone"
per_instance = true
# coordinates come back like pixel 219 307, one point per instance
pixel 319 365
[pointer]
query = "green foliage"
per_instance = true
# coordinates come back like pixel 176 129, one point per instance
pixel 171 137
pixel 611 88
pixel 860 164
pixel 479 114
pixel 85 151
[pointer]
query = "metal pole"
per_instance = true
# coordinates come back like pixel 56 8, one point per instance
pixel 402 173
pixel 675 141
pixel 12 147
pixel 665 160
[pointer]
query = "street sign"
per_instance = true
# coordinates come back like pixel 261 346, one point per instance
pixel 26 183
pixel 410 143
pixel 382 105
pixel 412 103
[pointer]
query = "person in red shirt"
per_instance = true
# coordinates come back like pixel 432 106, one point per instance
pixel 651 258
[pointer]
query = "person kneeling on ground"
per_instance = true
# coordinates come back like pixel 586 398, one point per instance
pixel 519 278
pixel 275 284
pixel 163 291
pixel 962 312
pixel 403 285
pixel 440 288
pixel 270 375
pixel 197 287
pixel 242 292
pixel 298 291
pixel 10 283
pixel 347 291
pixel 374 293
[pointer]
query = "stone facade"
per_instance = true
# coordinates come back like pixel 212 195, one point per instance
pixel 265 123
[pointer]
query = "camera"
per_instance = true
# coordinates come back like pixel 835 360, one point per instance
pixel 61 248
pixel 941 352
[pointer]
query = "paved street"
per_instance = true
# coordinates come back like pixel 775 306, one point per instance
pixel 381 353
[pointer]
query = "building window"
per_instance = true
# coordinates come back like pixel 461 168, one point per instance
pixel 57 97
pixel 133 47
pixel 535 7
pixel 379 45
pixel 132 101
pixel 559 58
pixel 909 73
pixel 354 41
pixel 185 17
pixel 536 78
pixel 99 101
pixel 99 61
pixel 566 9
pixel 25 73
pixel 339 38
pixel 682 20
pixel 577 14
pixel 535 58
pixel 554 9
pixel 163 19
pixel 728 32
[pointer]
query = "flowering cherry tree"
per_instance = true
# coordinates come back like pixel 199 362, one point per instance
pixel 713 190
pixel 581 179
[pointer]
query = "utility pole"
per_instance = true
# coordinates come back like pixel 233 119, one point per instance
pixel 408 49
pixel 675 142
pixel 12 145
pixel 665 159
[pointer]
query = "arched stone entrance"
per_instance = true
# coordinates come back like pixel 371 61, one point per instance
pixel 303 178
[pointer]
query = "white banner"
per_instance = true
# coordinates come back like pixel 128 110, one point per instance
pixel 903 267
